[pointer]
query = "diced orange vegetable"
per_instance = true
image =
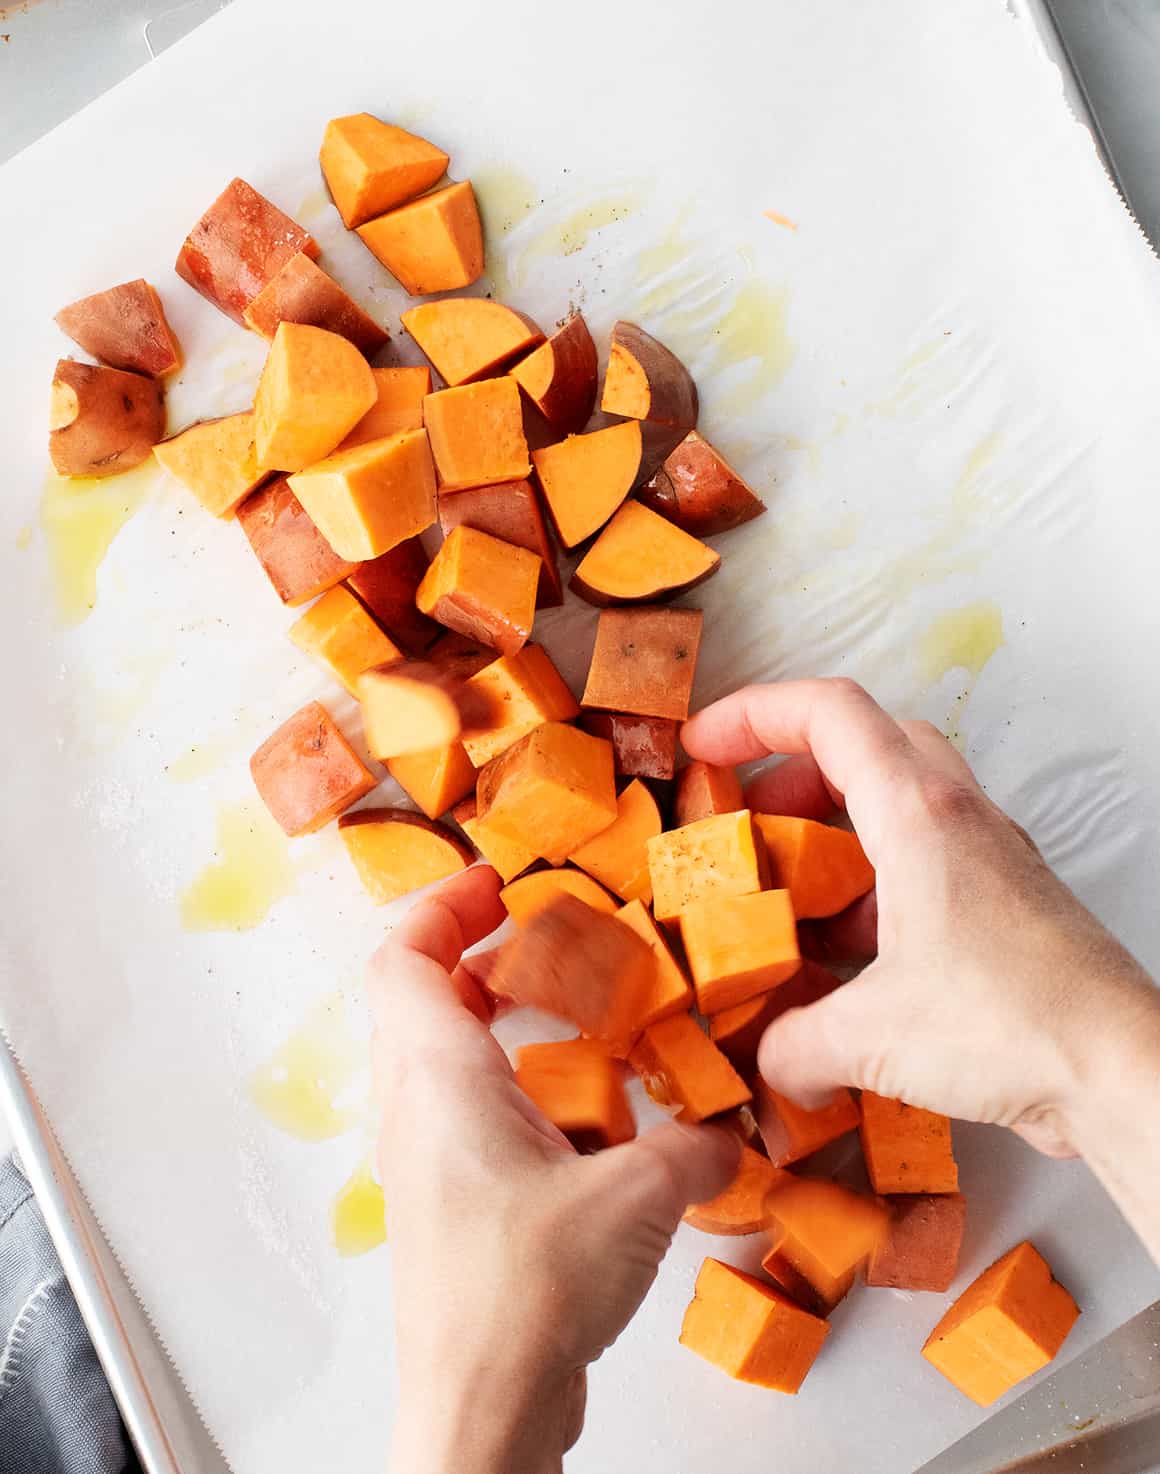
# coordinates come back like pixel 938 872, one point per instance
pixel 433 244
pixel 680 1066
pixel 671 991
pixel 586 477
pixel 698 490
pixel 413 706
pixel 511 512
pixel 712 858
pixel 531 894
pixel 640 558
pixel 740 1208
pixel 559 376
pixel 1008 1324
pixel 646 381
pixel 821 1236
pixel 215 460
pixel 399 406
pixel 387 584
pixel 907 1150
pixel 791 1132
pixel 517 693
pixel 553 789
pixel 504 855
pixel 469 338
pixel 644 661
pixel 824 869
pixel 921 1249
pixel 102 421
pixel 737 1031
pixel 371 166
pixel 367 500
pixel 307 772
pixel 124 327
pixel 703 790
pixel 237 246
pixel 477 434
pixel 314 389
pixel 339 632
pixel 464 656
pixel 484 588
pixel 750 1331
pixel 739 946
pixel 643 747
pixel 294 555
pixel 396 851
pixel 436 780
pixel 300 291
pixel 618 855
pixel 578 1087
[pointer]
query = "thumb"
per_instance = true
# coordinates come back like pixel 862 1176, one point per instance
pixel 659 1174
pixel 808 1052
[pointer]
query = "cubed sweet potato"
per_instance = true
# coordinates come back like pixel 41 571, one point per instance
pixel 739 946
pixel 750 1331
pixel 577 1086
pixel 907 1150
pixel 821 1235
pixel 459 653
pixel 300 291
pixel 396 851
pixel 559 377
pixel 510 511
pixel 413 706
pixel 553 789
pixel 434 244
pixel 399 407
pixel 639 558
pixel 645 661
pixel 671 992
pixel 367 500
pixel 339 633
pixel 517 694
pixel 618 855
pixel 484 588
pixel 680 1066
pixel 713 858
pixel 698 490
pixel 643 747
pixel 294 555
pixel 215 460
pixel 791 1132
pixel 101 420
pixel 469 338
pixel 646 381
pixel 527 897
pixel 921 1248
pixel 703 790
pixel 314 389
pixel 387 584
pixel 824 868
pixel 477 434
pixel 585 478
pixel 506 856
pixel 436 779
pixel 737 1031
pixel 124 327
pixel 306 772
pixel 371 166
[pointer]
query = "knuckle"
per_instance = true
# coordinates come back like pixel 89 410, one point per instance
pixel 920 729
pixel 947 803
pixel 849 690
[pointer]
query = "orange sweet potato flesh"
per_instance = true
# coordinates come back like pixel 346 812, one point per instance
pixel 697 489
pixel 414 705
pixel 739 946
pixel 643 747
pixel 921 1248
pixel 300 291
pixel 294 555
pixel 433 244
pixel 749 1330
pixel 737 1031
pixel 125 327
pixel 102 421
pixel 559 377
pixel 671 991
pixel 483 588
pixel 618 855
pixel 578 1087
pixel 646 381
pixel 436 779
pixel 401 392
pixel 645 661
pixel 791 1133
pixel 337 631
pixel 1008 1324
pixel 799 1274
pixel 237 246
pixel 215 460
pixel 740 1208
pixel 703 790
pixel 907 1150
pixel 585 478
pixel 821 1236
pixel 506 856
pixel 580 965
pixel 680 1066
pixel 510 511
pixel 527 897
pixel 824 868
pixel 396 851
pixel 367 500
pixel 371 166
pixel 477 434
pixel 715 857
pixel 314 389
pixel 469 338
pixel 640 558
pixel 306 772
pixel 516 694
pixel 386 586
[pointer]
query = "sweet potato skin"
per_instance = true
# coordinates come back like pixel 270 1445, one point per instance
pixel 698 490
pixel 670 392
pixel 511 511
pixel 642 747
pixel 444 854
pixel 294 555
pixel 644 661
pixel 559 377
pixel 300 291
pixel 387 584
pixel 102 421
pixel 306 772
pixel 125 327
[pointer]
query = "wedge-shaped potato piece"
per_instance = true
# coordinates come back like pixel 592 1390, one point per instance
pixel 436 779
pixel 102 421
pixel 921 1248
pixel 671 992
pixel 387 584
pixel 415 705
pixel 434 244
pixel 643 747
pixel 484 588
pixel 586 478
pixel 559 376
pixel 302 292
pixel 640 558
pixel 527 897
pixel 821 1236
pixel 237 246
pixel 314 389
pixel 367 500
pixel 124 327
pixel 618 855
pixel 750 1331
pixel 477 434
pixel 339 633
pixel 824 868
pixel 578 1087
pixel 399 406
pixel 739 946
pixel 907 1149
pixel 307 772
pixel 371 166
pixel 681 1066
pixel 517 693
pixel 396 851
pixel 716 857
pixel 294 555
pixel 468 338
pixel 703 790
pixel 645 381
pixel 697 489
pixel 215 460
pixel 644 661
pixel 510 511
pixel 791 1133
pixel 740 1209
pixel 505 855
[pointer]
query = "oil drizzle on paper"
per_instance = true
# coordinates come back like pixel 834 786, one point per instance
pixel 80 517
pixel 962 639
pixel 358 1217
pixel 570 235
pixel 506 197
pixel 301 1088
pixel 250 871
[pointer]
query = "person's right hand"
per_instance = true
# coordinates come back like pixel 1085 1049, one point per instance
pixel 995 996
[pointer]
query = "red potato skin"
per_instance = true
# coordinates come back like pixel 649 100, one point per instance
pixel 570 396
pixel 698 490
pixel 511 511
pixel 103 421
pixel 125 327
pixel 386 586
pixel 642 747
pixel 294 555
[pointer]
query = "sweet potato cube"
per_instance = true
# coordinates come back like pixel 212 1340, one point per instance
pixel 640 558
pixel 510 511
pixel 338 632
pixel 681 1066
pixel 618 855
pixel 921 1248
pixel 367 500
pixel 644 661
pixel 703 790
pixel 469 338
pixel 387 584
pixel 399 406
pixel 124 327
pixel 791 1132
pixel 237 246
pixel 907 1150
pixel 671 992
pixel 477 434
pixel 739 946
pixel 1010 1323
pixel 436 779
pixel 505 855
pixel 586 477
pixel 737 1031
pixel 300 291
pixel 102 421
pixel 517 693
pixel 740 1208
pixel 464 656
pixel 715 857
pixel 578 1087
pixel 396 851
pixel 646 381
pixel 559 376
pixel 294 555
pixel 821 1236
pixel 484 588
pixel 749 1331
pixel 580 965
pixel 314 389
pixel 527 897
pixel 434 244
pixel 307 772
pixel 824 868
pixel 553 788
pixel 215 460
pixel 643 747
pixel 413 706
pixel 371 166
pixel 698 490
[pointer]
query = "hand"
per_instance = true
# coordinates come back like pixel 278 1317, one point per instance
pixel 516 1261
pixel 995 995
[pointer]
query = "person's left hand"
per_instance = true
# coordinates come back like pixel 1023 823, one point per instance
pixel 516 1261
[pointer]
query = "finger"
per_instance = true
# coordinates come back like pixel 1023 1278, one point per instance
pixel 666 1169
pixel 936 747
pixel 796 786
pixel 470 980
pixel 455 917
pixel 808 1052
pixel 849 937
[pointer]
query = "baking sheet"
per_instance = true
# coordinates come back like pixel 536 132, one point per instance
pixel 937 354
